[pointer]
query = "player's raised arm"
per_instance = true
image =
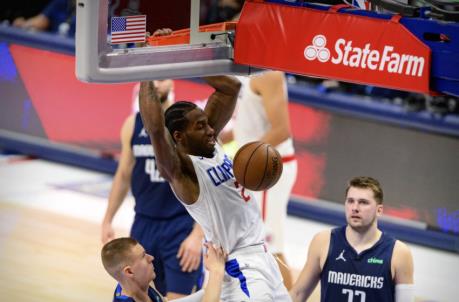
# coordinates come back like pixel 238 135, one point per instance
pixel 272 88
pixel 221 103
pixel 153 119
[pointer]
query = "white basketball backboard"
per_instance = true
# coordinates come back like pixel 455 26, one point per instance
pixel 98 61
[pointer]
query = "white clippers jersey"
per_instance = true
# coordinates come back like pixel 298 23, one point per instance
pixel 228 215
pixel 251 122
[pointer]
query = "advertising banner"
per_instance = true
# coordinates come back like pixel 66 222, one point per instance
pixel 332 45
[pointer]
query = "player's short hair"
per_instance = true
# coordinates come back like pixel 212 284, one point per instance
pixel 116 254
pixel 175 116
pixel 366 182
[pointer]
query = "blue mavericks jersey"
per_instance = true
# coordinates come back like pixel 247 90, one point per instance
pixel 348 276
pixel 118 297
pixel 153 195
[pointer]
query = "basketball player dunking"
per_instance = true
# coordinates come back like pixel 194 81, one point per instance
pixel 201 176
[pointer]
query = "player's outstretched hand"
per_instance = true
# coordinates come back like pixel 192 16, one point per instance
pixel 190 253
pixel 162 32
pixel 215 258
pixel 107 234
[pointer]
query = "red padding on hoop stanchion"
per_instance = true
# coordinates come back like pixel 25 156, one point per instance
pixel 332 45
pixel 396 18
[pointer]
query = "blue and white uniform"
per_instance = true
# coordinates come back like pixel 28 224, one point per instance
pixel 351 276
pixel 161 222
pixel 119 297
pixel 230 217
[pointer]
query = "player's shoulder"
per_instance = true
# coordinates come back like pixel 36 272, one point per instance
pixel 128 128
pixel 401 255
pixel 401 250
pixel 129 122
pixel 318 248
pixel 321 239
pixel 402 263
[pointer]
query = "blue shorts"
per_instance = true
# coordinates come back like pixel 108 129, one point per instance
pixel 162 239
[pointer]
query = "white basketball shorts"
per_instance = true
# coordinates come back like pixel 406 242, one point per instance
pixel 252 274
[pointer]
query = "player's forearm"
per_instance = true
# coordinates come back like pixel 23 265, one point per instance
pixel 150 108
pixel 118 192
pixel 197 231
pixel 276 108
pixel 214 285
pixel 298 296
pixel 304 286
pixel 276 136
pixel 224 84
pixel 222 102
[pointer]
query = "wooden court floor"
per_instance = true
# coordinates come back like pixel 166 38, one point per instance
pixel 46 256
pixel 50 257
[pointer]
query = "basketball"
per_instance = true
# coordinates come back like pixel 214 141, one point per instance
pixel 257 166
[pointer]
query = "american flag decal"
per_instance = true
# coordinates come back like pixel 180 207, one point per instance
pixel 129 29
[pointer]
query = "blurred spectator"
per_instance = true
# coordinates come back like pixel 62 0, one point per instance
pixel 221 10
pixel 10 10
pixel 58 16
pixel 133 8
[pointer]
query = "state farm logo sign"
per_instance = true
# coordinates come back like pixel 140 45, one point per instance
pixel 317 50
pixel 346 54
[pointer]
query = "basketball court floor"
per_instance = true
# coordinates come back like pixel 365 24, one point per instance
pixel 49 237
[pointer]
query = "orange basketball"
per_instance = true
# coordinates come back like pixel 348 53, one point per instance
pixel 257 166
